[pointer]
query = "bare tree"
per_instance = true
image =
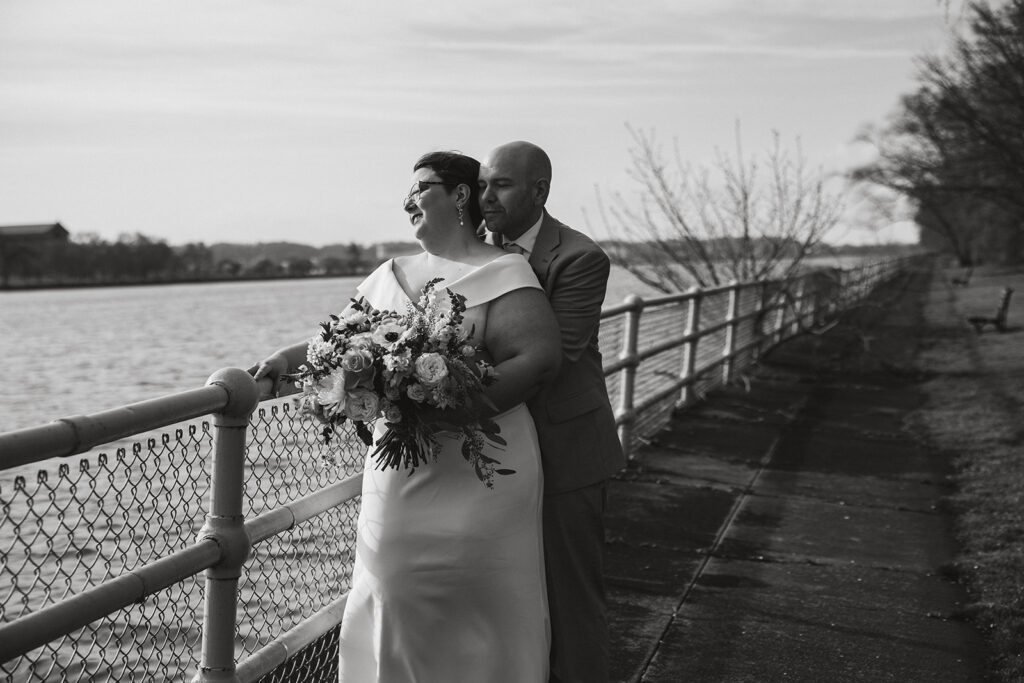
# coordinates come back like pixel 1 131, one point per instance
pixel 954 146
pixel 741 218
pixel 920 156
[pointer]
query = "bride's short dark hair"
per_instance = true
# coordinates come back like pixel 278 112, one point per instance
pixel 455 168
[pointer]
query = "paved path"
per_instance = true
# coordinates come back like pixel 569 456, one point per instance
pixel 795 531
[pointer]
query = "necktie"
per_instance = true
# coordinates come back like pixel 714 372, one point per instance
pixel 513 248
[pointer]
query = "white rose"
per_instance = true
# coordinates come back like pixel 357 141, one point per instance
pixel 363 340
pixel 431 368
pixel 358 367
pixel 416 392
pixel 361 405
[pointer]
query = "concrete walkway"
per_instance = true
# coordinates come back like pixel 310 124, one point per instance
pixel 794 531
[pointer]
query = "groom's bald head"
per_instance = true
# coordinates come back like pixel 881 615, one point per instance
pixel 530 160
pixel 515 179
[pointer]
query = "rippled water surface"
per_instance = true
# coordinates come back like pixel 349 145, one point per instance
pixel 76 351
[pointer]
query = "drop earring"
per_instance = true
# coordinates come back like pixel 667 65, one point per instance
pixel 459 208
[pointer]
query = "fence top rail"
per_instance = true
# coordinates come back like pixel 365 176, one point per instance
pixel 696 292
pixel 77 611
pixel 634 302
pixel 225 392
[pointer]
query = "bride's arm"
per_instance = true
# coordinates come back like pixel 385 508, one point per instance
pixel 523 337
pixel 281 362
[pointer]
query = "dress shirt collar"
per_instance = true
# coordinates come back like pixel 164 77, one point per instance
pixel 529 238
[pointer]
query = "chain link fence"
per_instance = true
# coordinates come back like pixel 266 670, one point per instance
pixel 87 520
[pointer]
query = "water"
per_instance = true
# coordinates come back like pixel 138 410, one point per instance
pixel 76 351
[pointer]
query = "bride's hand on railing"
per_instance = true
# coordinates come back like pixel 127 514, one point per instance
pixel 274 368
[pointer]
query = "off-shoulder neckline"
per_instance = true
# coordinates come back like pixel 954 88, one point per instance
pixel 450 284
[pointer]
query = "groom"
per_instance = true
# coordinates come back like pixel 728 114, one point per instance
pixel 575 423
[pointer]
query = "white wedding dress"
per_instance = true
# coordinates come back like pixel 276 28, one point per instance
pixel 448 583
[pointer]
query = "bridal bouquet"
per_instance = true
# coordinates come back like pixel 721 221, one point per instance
pixel 413 369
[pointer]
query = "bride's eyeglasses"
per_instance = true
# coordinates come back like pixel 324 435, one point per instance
pixel 420 187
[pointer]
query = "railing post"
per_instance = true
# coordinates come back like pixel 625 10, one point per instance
pixel 856 281
pixel 837 302
pixel 757 326
pixel 798 306
pixel 730 331
pixel 627 381
pixel 814 301
pixel 781 297
pixel 690 347
pixel 851 293
pixel 226 525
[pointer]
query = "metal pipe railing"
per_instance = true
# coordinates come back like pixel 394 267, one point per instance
pixel 730 332
pixel 281 519
pixel 281 649
pixel 225 525
pixel 692 338
pixel 38 628
pixel 631 332
pixel 80 433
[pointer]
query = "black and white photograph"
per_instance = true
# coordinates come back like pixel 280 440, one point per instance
pixel 532 342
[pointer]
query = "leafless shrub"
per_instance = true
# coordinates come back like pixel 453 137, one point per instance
pixel 741 218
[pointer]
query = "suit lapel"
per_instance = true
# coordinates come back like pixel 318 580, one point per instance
pixel 545 249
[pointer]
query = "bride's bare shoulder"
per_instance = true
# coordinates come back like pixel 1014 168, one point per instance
pixel 408 262
pixel 486 253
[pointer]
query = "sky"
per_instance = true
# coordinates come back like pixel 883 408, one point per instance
pixel 259 120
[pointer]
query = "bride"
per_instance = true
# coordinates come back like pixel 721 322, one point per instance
pixel 448 581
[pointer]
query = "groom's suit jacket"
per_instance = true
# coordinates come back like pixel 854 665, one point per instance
pixel 575 423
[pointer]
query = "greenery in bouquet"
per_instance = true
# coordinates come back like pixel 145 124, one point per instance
pixel 416 370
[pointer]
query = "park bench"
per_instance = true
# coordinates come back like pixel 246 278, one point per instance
pixel 997 321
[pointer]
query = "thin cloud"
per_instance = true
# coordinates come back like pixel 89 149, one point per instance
pixel 619 51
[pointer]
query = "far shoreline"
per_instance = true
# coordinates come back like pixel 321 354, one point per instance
pixel 25 286
pixel 36 286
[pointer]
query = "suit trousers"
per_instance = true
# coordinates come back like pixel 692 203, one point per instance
pixel 574 563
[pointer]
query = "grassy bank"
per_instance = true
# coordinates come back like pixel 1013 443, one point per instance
pixel 974 413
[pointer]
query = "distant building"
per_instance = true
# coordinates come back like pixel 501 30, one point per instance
pixel 16 242
pixel 31 233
